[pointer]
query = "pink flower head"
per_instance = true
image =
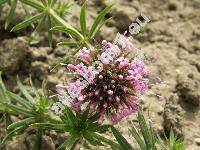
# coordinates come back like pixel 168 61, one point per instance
pixel 114 91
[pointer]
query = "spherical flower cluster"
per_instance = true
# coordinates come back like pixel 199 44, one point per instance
pixel 112 92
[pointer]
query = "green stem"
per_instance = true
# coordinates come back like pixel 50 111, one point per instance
pixel 65 24
pixel 108 141
pixel 62 21
pixel 38 140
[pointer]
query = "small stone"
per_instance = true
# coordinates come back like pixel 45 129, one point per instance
pixel 160 110
pixel 172 7
pixel 197 141
pixel 12 54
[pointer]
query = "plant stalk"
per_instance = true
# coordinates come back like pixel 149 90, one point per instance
pixel 38 140
pixel 65 24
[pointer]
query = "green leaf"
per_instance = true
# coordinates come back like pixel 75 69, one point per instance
pixel 69 143
pixel 34 4
pixel 2 2
pixel 94 118
pixel 20 123
pixel 114 145
pixel 2 107
pixel 25 91
pixel 161 142
pixel 50 126
pixel 19 99
pixel 71 116
pixel 84 116
pixel 153 137
pixel 99 27
pixel 69 31
pixel 34 90
pixel 1 83
pixel 71 44
pixel 49 31
pixel 9 17
pixel 98 20
pixel 35 36
pixel 19 110
pixel 121 140
pixel 145 129
pixel 138 138
pixel 171 140
pixel 83 19
pixel 90 138
pixel 27 22
pixel 13 133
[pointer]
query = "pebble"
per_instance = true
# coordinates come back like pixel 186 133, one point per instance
pixel 197 141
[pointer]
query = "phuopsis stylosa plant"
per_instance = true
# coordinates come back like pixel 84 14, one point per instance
pixel 149 139
pixel 33 109
pixel 111 93
pixel 37 114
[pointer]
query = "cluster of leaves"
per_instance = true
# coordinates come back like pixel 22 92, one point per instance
pixel 80 127
pixel 149 139
pixel 42 16
pixel 36 113
pixel 51 14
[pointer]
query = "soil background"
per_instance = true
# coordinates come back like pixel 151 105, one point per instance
pixel 170 41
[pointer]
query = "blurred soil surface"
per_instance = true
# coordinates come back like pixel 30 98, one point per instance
pixel 170 41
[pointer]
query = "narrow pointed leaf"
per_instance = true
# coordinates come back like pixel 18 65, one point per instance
pixel 2 2
pixel 71 44
pixel 161 142
pixel 25 91
pixel 114 145
pixel 71 115
pixel 69 31
pixel 13 133
pixel 138 138
pixel 91 139
pixel 17 124
pixel 121 140
pixel 99 18
pixel 84 116
pixel 83 19
pixel 34 3
pixel 171 140
pixel 11 13
pixel 69 143
pixel 19 110
pixel 145 129
pixel 27 22
pixel 49 31
pixel 99 27
pixel 34 89
pixel 50 126
pixel 19 99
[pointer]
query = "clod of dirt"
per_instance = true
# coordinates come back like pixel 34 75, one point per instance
pixel 189 88
pixel 173 115
pixel 12 54
pixel 16 144
pixel 127 13
pixel 39 70
pixel 197 141
pixel 47 143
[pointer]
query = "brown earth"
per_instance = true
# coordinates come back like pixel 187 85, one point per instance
pixel 171 42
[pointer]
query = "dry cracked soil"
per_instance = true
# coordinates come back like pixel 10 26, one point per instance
pixel 170 41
